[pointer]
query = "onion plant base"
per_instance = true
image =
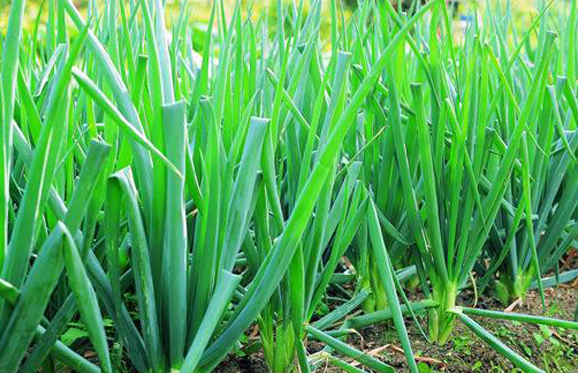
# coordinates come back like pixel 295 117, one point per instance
pixel 510 289
pixel 441 321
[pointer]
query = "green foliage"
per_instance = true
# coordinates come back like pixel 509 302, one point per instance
pixel 159 204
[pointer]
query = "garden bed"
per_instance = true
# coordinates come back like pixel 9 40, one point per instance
pixel 554 350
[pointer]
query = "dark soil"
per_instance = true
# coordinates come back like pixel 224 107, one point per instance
pixel 252 363
pixel 551 349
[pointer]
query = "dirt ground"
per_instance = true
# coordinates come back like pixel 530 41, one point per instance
pixel 551 349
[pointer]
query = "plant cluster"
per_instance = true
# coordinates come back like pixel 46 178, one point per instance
pixel 168 202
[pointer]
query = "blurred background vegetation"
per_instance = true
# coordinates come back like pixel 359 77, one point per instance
pixel 523 10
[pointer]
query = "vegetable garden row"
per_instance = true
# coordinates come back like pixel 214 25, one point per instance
pixel 283 181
